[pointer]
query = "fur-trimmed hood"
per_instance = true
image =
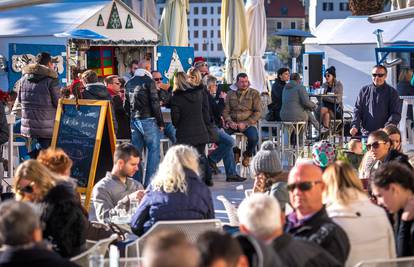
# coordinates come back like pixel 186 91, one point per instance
pixel 38 72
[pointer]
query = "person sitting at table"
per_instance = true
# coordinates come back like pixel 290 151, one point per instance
pixel 117 189
pixel 406 88
pixel 331 105
pixel 175 193
pixel 296 105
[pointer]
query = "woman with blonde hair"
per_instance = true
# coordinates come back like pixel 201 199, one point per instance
pixel 176 192
pixel 367 226
pixel 190 115
pixel 56 160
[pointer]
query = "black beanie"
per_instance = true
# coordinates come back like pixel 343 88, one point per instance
pixel 331 70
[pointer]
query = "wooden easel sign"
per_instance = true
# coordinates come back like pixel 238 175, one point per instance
pixel 84 130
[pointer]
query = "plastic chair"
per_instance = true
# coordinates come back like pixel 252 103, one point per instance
pixel 102 246
pixel 231 211
pixel 248 192
pixel 191 228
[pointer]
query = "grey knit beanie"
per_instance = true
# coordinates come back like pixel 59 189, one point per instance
pixel 267 159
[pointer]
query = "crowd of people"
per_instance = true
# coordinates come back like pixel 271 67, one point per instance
pixel 337 210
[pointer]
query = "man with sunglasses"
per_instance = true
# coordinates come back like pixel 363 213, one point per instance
pixel 310 221
pixel 377 105
pixel 201 64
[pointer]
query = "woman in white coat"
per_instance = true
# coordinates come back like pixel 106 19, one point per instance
pixel 367 226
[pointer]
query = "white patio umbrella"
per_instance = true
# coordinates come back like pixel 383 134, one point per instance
pixel 173 25
pixel 233 36
pixel 147 10
pixel 257 36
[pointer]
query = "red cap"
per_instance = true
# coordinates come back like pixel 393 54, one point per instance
pixel 199 59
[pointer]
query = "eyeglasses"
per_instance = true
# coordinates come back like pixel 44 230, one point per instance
pixel 302 186
pixel 375 145
pixel 157 79
pixel 380 75
pixel 200 64
pixel 28 189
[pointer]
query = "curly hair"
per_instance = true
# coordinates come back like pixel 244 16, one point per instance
pixel 56 160
pixel 170 176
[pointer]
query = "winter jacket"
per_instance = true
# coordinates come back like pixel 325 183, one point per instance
pixel 243 106
pixel 109 193
pixel 295 102
pixel 64 220
pixel 141 97
pixel 337 89
pixel 39 95
pixel 258 253
pixel 395 155
pixel 190 115
pixel 404 236
pixel 4 127
pixel 35 256
pixel 310 255
pixel 216 109
pixel 367 226
pixel 277 92
pixel 376 107
pixel 157 205
pixel 124 128
pixel 321 230
pixel 98 91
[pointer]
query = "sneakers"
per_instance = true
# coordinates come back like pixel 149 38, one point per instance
pixel 235 178
pixel 324 129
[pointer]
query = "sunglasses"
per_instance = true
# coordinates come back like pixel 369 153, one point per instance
pixel 302 186
pixel 200 64
pixel 28 189
pixel 157 79
pixel 375 145
pixel 380 75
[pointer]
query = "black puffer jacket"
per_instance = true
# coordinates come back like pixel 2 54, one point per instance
pixel 190 115
pixel 277 91
pixel 394 155
pixel 39 96
pixel 141 99
pixel 321 230
pixel 216 109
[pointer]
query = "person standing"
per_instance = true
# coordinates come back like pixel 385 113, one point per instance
pixel 143 104
pixel 283 75
pixel 39 95
pixel 132 67
pixel 190 116
pixel 377 104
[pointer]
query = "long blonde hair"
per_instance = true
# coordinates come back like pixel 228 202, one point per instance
pixel 170 176
pixel 180 82
pixel 339 178
pixel 196 74
pixel 36 172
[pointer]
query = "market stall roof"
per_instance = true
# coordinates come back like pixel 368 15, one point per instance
pixel 113 19
pixel 357 30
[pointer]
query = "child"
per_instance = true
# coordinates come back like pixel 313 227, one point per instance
pixel 355 153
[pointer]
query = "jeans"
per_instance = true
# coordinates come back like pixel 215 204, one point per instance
pixel 146 133
pixel 169 132
pixel 224 152
pixel 252 138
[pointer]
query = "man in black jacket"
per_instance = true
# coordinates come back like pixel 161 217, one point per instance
pixel 143 104
pixel 310 221
pixel 260 215
pixel 377 105
pixel 21 236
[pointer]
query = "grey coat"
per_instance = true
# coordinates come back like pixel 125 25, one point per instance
pixel 295 102
pixel 39 95
pixel 337 89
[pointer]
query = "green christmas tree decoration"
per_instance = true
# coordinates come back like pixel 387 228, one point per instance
pixel 128 24
pixel 100 21
pixel 114 21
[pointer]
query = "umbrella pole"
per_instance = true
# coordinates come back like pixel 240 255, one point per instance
pixel 294 65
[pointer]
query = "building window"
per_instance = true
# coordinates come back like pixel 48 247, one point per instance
pixel 327 6
pixel 293 25
pixel 196 10
pixel 195 22
pixel 204 47
pixel 195 46
pixel 344 6
pixel 195 34
pixel 160 11
pixel 283 11
pixel 219 47
pixel 211 10
pixel 211 47
pixel 211 34
pixel 279 25
pixel 204 34
pixel 218 34
pixel 212 22
pixel 218 22
pixel 219 9
pixel 204 10
pixel 204 22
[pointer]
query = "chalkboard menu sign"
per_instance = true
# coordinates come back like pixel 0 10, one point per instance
pixel 84 130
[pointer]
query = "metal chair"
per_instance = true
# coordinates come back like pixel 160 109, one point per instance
pixel 231 211
pixel 191 228
pixel 288 128
pixel 102 247
pixel 241 141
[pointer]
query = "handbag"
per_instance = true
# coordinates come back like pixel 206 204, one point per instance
pixel 213 135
